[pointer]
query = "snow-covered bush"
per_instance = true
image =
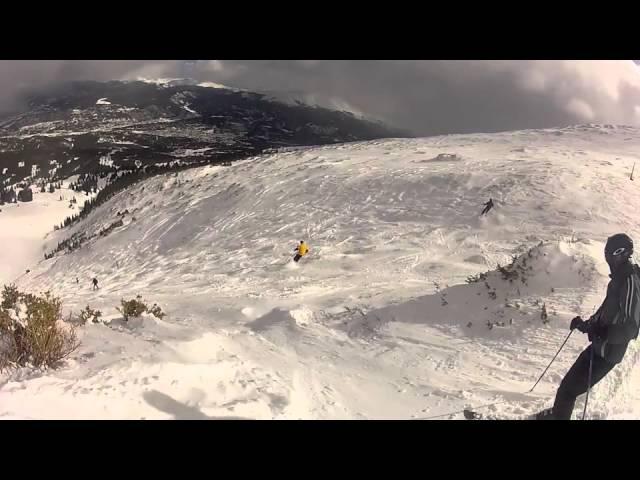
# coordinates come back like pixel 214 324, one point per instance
pixel 38 337
pixel 89 313
pixel 5 320
pixel 132 308
pixel 135 307
pixel 10 297
pixel 157 312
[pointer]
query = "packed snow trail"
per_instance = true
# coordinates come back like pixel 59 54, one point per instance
pixel 378 320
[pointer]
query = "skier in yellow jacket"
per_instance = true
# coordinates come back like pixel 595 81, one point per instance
pixel 301 250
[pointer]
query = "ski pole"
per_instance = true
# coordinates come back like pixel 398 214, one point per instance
pixel 507 401
pixel 463 410
pixel 586 400
pixel 554 357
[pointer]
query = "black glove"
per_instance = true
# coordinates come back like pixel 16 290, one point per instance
pixel 585 327
pixel 576 322
pixel 580 324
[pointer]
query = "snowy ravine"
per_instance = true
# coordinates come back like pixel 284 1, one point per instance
pixel 378 321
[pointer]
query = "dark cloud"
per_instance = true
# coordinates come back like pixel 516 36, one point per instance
pixel 20 76
pixel 425 97
pixel 431 97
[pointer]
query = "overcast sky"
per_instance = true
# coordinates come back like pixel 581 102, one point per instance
pixel 424 97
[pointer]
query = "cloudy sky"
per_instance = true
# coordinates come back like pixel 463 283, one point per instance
pixel 424 97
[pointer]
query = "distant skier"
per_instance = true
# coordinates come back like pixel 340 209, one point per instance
pixel 301 250
pixel 610 329
pixel 77 280
pixel 95 283
pixel 487 206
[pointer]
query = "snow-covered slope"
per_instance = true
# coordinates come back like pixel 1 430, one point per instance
pixel 23 227
pixel 379 320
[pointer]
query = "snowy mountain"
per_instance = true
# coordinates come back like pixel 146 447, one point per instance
pixel 301 98
pixel 91 127
pixel 409 305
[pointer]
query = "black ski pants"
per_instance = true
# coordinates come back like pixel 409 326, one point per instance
pixel 575 382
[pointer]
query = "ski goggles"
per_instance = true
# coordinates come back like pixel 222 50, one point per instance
pixel 616 252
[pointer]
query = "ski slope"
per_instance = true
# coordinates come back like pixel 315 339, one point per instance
pixel 378 321
pixel 23 227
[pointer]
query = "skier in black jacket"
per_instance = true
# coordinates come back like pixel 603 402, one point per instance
pixel 487 206
pixel 610 329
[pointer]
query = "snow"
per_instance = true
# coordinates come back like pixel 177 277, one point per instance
pixel 42 126
pixel 106 160
pixel 213 85
pixel 191 152
pixel 157 81
pixel 378 320
pixel 186 107
pixel 103 101
pixel 167 82
pixel 24 226
pixel 164 82
pixel 123 142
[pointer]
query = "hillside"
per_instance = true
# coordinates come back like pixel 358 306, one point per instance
pixel 382 319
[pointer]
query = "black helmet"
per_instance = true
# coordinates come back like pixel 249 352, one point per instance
pixel 301 241
pixel 619 244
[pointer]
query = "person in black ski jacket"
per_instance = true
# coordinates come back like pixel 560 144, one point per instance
pixel 610 329
pixel 487 206
pixel 95 283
